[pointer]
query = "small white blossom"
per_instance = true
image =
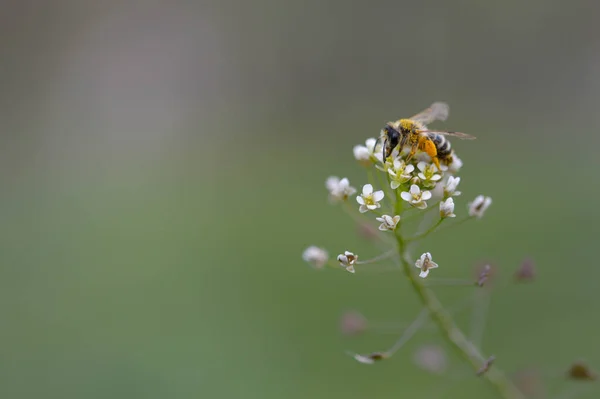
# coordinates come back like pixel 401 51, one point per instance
pixel 425 263
pixel 388 222
pixel 370 358
pixel 428 174
pixel 479 206
pixel 456 164
pixel 450 187
pixel 363 359
pixel 369 200
pixel 347 260
pixel 415 197
pixel 400 173
pixel 365 154
pixel 339 190
pixel 447 209
pixel 315 256
pixel 389 162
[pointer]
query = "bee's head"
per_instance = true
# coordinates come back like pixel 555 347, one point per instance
pixel 392 138
pixel 390 134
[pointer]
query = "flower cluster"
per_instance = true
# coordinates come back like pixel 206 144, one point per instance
pixel 415 182
pixel 408 180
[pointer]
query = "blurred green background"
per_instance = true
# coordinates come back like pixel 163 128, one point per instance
pixel 163 165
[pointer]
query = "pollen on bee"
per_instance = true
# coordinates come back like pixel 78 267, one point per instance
pixel 407 124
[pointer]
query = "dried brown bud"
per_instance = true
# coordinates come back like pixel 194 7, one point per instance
pixel 484 275
pixel 525 272
pixel 378 356
pixel 581 372
pixel 486 365
pixel 353 323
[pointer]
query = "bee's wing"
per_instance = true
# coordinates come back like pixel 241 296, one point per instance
pixel 435 112
pixel 460 135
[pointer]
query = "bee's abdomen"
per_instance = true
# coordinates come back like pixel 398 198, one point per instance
pixel 442 145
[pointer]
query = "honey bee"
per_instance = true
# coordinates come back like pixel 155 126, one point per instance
pixel 413 132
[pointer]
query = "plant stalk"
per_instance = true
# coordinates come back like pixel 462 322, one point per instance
pixel 452 334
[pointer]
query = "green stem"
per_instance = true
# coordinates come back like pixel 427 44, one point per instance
pixel 452 334
pixel 426 233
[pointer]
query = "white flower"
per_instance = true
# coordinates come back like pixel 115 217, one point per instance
pixel 400 173
pixel 315 256
pixel 450 187
pixel 369 359
pixel 389 162
pixel 363 359
pixel 415 197
pixel 388 222
pixel 365 154
pixel 347 260
pixel 369 200
pixel 428 174
pixel 339 190
pixel 447 209
pixel 456 164
pixel 479 205
pixel 425 263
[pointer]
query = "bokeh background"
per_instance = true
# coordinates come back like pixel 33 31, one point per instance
pixel 162 166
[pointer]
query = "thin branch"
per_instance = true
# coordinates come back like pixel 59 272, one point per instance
pixel 451 333
pixel 409 332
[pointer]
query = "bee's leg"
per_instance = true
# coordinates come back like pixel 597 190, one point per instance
pixel 428 147
pixel 411 154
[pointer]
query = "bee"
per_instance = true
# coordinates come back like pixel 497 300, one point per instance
pixel 413 132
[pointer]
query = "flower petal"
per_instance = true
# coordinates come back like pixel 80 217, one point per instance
pixel 424 273
pixel 378 195
pixel 426 195
pixel 360 152
pixel 332 182
pixel 414 189
pixel 367 189
pixel 370 144
pixel 363 359
pixel 360 200
pixel 405 195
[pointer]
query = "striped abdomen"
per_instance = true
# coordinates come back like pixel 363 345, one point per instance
pixel 442 144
